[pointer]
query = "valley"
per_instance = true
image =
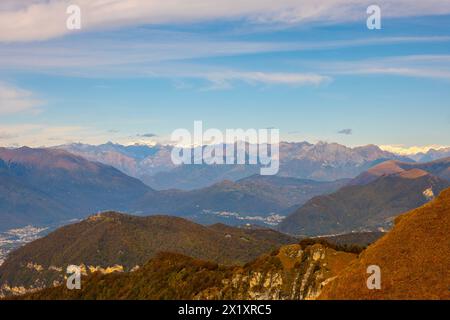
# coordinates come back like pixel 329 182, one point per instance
pixel 14 238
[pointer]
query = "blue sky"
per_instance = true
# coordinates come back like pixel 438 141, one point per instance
pixel 310 77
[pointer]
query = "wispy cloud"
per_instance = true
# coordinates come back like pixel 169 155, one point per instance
pixel 418 66
pixel 103 58
pixel 22 20
pixel 16 100
pixel 137 49
pixel 224 80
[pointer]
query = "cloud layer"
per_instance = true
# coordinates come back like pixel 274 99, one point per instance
pixel 25 20
pixel 410 150
pixel 38 135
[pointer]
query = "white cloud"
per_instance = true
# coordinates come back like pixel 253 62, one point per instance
pixel 410 150
pixel 16 100
pixel 42 19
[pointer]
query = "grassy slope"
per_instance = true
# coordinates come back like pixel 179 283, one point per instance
pixel 414 259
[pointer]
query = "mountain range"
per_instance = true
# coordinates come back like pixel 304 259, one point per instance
pixel 46 186
pixel 139 161
pixel 372 200
pixel 302 160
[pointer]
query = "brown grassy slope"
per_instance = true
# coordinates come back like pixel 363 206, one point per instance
pixel 414 259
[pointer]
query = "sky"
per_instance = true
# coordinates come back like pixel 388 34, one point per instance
pixel 138 70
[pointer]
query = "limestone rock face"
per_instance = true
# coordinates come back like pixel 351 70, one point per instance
pixel 292 273
pixel 58 277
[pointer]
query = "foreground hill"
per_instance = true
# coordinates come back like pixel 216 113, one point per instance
pixel 414 259
pixel 42 186
pixel 368 206
pixel 121 241
pixel 292 272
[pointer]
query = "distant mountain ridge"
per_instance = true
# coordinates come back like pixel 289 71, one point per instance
pixel 372 200
pixel 153 165
pixel 431 155
pixel 137 160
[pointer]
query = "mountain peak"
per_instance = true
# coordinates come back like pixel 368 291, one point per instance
pixel 386 168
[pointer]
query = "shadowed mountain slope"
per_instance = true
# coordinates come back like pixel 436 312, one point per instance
pixel 369 206
pixel 41 186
